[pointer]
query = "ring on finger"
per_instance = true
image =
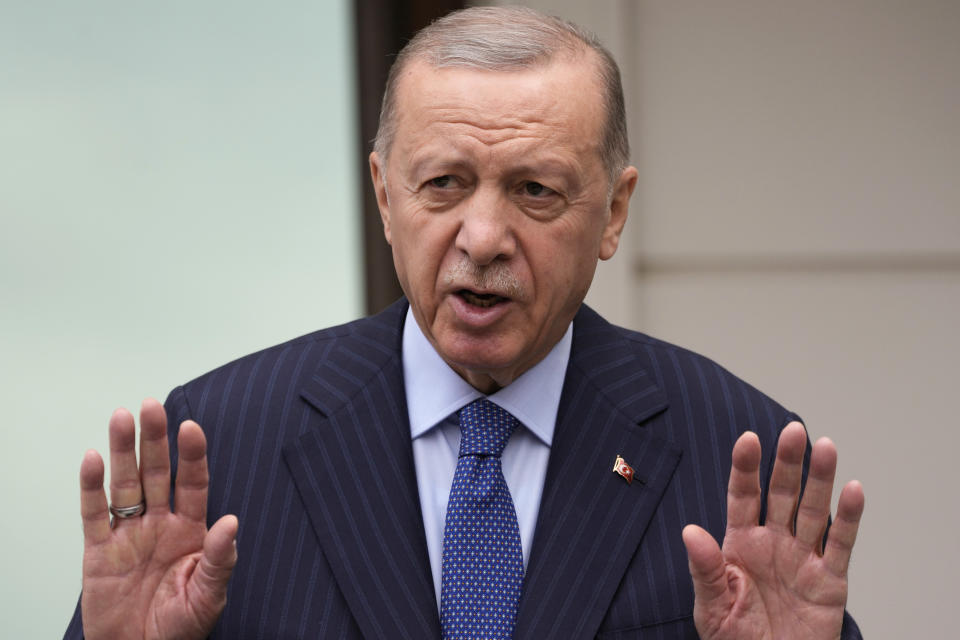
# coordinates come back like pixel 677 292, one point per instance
pixel 133 511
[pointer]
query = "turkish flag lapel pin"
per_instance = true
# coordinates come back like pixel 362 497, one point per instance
pixel 623 469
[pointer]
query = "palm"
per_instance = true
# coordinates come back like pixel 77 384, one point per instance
pixel 162 575
pixel 774 581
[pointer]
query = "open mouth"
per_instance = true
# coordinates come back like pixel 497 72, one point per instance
pixel 482 300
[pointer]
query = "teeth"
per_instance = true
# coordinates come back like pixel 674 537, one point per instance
pixel 480 300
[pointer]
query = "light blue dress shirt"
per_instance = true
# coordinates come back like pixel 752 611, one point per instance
pixel 434 395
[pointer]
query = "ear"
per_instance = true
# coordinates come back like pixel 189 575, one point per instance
pixel 619 205
pixel 378 173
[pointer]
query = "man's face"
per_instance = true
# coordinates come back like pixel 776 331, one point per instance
pixel 496 208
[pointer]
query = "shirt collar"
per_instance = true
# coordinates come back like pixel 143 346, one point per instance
pixel 435 391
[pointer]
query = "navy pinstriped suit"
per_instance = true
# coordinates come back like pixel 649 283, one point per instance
pixel 309 445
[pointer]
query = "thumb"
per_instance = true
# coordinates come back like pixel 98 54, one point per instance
pixel 707 568
pixel 210 577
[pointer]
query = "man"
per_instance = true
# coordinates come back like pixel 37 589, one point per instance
pixel 351 459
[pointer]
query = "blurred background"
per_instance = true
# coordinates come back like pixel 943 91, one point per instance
pixel 182 183
pixel 178 187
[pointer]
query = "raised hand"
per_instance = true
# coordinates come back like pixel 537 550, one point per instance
pixel 776 581
pixel 162 574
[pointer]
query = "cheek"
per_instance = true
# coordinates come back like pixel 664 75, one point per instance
pixel 422 244
pixel 563 269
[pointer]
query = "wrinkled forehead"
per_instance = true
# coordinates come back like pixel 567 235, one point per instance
pixel 565 94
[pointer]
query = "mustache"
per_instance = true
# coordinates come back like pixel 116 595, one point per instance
pixel 495 277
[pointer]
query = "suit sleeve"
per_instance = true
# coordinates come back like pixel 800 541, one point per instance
pixel 850 629
pixel 75 628
pixel 178 410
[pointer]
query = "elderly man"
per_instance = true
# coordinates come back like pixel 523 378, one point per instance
pixel 487 458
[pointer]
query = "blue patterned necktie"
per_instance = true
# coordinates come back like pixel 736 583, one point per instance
pixel 482 557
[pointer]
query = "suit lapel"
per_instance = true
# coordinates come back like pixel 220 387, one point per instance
pixel 591 520
pixel 355 474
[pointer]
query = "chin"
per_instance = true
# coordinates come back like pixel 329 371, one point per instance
pixel 478 355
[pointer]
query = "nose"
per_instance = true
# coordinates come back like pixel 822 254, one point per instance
pixel 485 234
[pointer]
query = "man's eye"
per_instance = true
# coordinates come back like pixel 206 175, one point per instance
pixel 536 189
pixel 442 182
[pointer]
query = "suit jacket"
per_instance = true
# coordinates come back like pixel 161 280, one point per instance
pixel 309 445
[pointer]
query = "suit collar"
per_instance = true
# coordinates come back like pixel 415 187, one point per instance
pixel 612 364
pixel 361 351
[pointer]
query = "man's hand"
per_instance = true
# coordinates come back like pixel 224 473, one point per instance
pixel 778 580
pixel 163 574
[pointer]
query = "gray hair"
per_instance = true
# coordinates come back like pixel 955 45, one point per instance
pixel 510 39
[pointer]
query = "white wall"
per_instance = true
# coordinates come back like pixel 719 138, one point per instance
pixel 177 188
pixel 798 219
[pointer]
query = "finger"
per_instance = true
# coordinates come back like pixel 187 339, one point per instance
pixel 743 491
pixel 814 510
pixel 843 532
pixel 125 488
pixel 93 501
pixel 707 568
pixel 154 457
pixel 190 493
pixel 208 583
pixel 219 555
pixel 787 473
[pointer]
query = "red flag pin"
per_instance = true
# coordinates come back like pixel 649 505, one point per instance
pixel 625 470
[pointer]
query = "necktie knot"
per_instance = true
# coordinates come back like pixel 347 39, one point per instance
pixel 485 428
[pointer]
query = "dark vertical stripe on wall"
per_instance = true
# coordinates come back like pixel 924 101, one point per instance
pixel 382 28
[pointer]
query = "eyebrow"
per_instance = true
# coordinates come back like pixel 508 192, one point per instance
pixel 550 165
pixel 420 165
pixel 450 156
